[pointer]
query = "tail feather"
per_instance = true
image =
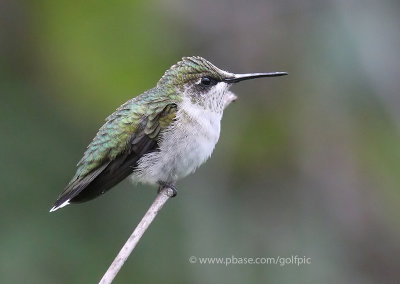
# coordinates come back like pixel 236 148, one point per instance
pixel 104 177
pixel 75 187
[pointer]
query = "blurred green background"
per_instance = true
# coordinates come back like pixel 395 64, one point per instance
pixel 306 165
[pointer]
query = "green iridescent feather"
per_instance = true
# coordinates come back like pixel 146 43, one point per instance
pixel 113 137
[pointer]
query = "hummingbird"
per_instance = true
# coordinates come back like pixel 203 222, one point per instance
pixel 160 136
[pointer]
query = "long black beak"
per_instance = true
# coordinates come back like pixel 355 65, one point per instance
pixel 242 77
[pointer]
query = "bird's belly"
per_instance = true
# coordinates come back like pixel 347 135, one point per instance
pixel 193 152
pixel 183 148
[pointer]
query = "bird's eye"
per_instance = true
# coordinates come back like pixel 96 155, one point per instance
pixel 207 81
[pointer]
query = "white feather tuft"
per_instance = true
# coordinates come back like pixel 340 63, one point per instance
pixel 65 203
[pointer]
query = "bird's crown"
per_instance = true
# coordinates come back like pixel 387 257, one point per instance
pixel 191 69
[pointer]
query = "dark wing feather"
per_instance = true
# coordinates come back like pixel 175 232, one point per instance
pixel 116 171
pixel 102 167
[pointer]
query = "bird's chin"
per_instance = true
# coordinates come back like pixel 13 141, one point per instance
pixel 229 97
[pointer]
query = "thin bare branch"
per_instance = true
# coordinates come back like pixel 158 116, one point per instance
pixel 137 234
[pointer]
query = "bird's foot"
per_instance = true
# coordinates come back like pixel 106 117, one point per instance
pixel 172 190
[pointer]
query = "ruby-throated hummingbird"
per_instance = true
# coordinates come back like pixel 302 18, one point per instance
pixel 160 136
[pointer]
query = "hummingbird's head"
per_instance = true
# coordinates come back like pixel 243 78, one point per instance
pixel 203 83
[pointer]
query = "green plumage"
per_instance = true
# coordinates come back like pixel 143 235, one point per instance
pixel 130 132
pixel 113 137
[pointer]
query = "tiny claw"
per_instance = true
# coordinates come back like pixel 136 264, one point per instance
pixel 172 191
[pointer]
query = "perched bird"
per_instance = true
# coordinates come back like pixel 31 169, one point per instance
pixel 159 136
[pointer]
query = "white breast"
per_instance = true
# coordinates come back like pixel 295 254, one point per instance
pixel 184 146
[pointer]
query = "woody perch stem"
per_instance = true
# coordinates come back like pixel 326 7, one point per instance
pixel 137 234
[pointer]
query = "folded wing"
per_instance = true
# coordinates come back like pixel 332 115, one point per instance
pixel 128 134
